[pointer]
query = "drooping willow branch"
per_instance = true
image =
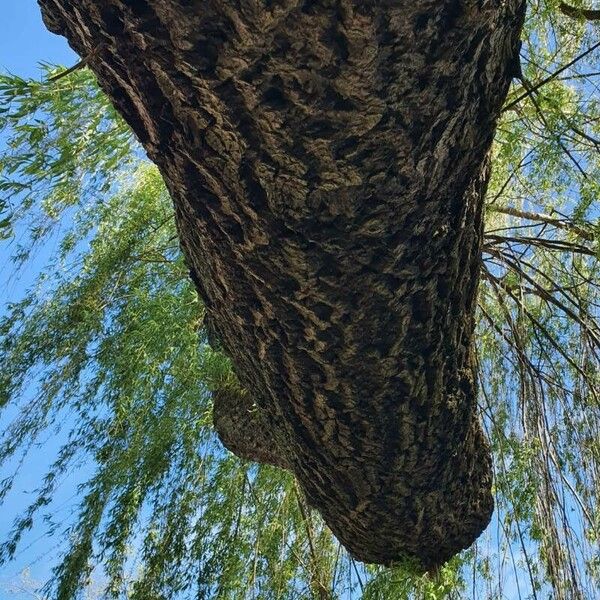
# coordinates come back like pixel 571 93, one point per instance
pixel 536 86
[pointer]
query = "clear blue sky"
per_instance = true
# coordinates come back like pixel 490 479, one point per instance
pixel 24 44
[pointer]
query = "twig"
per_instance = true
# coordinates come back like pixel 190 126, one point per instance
pixel 321 589
pixel 537 86
pixel 555 245
pixel 544 218
pixel 82 63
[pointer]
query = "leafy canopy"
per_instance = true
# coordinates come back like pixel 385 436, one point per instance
pixel 107 349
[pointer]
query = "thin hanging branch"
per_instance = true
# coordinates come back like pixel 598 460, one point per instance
pixel 536 86
pixel 543 218
pixel 82 63
pixel 549 244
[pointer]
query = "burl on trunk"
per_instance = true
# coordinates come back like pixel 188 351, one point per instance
pixel 328 161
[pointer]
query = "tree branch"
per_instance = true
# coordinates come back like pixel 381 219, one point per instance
pixel 579 13
pixel 543 218
pixel 82 63
pixel 537 86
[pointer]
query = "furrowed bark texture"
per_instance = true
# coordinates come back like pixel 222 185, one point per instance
pixel 241 427
pixel 327 162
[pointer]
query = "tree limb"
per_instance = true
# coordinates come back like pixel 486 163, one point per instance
pixel 543 218
pixel 579 13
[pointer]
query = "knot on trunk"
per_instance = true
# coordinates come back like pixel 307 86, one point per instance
pixel 244 429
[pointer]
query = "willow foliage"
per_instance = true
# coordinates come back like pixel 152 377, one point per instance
pixel 108 350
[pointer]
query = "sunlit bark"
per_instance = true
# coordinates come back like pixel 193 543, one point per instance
pixel 327 163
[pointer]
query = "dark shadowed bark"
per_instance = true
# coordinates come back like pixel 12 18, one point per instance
pixel 328 161
pixel 242 429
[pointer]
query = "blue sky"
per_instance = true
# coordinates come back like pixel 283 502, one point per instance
pixel 24 44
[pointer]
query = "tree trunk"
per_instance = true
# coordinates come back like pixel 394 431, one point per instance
pixel 328 161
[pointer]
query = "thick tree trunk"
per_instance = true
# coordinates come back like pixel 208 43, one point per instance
pixel 327 162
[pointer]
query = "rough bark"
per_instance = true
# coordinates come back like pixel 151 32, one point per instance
pixel 327 163
pixel 243 430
